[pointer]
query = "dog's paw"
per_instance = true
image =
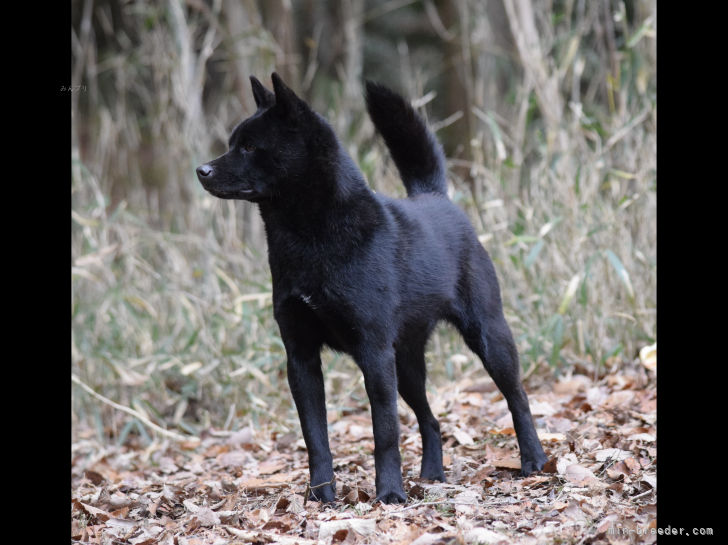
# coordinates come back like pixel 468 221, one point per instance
pixel 392 496
pixel 325 494
pixel 434 475
pixel 532 464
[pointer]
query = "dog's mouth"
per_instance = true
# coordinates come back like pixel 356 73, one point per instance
pixel 230 193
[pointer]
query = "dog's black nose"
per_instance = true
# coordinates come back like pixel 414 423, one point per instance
pixel 204 171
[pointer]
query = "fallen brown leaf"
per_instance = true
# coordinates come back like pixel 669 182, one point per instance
pixel 364 527
pixel 462 436
pixel 356 496
pixel 550 466
pixel 508 463
pixel 633 465
pixel 296 505
pixel 204 515
pixel 268 469
pixel 95 477
pixel 91 511
pixel 276 525
pixel 416 492
pixel 340 535
pixel 579 474
pixel 120 513
pixel 274 481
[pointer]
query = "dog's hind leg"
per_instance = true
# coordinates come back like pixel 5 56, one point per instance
pixel 481 322
pixel 411 375
pixel 493 343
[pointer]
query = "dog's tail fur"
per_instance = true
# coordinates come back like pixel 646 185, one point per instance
pixel 417 154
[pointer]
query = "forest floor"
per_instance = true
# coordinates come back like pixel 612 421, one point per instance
pixel 248 487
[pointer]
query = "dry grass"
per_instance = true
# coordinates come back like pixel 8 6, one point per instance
pixel 170 288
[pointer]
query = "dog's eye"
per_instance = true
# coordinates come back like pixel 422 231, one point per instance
pixel 249 147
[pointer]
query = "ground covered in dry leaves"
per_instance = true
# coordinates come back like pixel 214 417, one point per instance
pixel 248 487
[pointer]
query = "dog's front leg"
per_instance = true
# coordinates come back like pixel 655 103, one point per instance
pixel 307 386
pixel 380 380
pixel 302 337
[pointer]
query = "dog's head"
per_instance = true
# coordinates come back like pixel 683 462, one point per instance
pixel 266 152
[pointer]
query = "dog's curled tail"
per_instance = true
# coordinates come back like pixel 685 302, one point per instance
pixel 417 154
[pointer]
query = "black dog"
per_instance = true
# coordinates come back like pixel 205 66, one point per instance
pixel 365 274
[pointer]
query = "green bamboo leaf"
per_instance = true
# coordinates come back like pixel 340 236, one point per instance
pixel 613 352
pixel 523 238
pixel 533 254
pixel 570 292
pixel 644 29
pixel 558 336
pixel 125 431
pixel 621 272
pixel 548 226
pixel 495 131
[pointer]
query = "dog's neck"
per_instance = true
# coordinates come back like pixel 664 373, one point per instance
pixel 331 199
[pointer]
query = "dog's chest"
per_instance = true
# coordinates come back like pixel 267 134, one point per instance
pixel 336 316
pixel 322 302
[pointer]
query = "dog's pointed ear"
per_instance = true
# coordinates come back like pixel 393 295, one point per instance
pixel 287 103
pixel 263 97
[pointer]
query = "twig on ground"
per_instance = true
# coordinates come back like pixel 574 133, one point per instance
pixel 135 414
pixel 297 526
pixel 609 462
pixel 309 488
pixel 642 494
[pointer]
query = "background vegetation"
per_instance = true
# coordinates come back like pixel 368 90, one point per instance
pixel 548 113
